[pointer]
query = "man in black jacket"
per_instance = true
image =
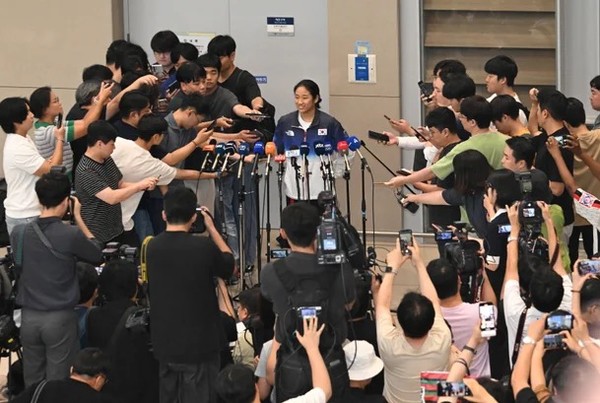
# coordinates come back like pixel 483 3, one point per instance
pixel 48 286
pixel 185 326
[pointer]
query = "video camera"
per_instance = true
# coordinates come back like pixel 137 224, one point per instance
pixel 337 241
pixel 114 250
pixel 463 253
pixel 531 219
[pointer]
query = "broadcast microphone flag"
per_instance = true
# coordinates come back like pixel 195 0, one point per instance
pixel 342 148
pixel 258 150
pixel 243 150
pixel 219 150
pixel 230 149
pixel 270 150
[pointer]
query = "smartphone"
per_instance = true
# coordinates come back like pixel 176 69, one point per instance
pixel 306 312
pixel 175 85
pixel 558 321
pixel 279 253
pixel 426 89
pixel 444 235
pixel 99 269
pixel 455 389
pixel 212 125
pixel 157 69
pixel 488 319
pixel 58 121
pixel 561 140
pixel 378 136
pixel 406 240
pixel 404 172
pixel 589 266
pixel 554 341
pixel 504 229
pixel 387 117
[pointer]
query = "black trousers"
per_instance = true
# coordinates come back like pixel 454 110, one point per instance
pixel 188 383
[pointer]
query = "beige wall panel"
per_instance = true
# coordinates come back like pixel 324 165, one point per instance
pixel 358 115
pixel 46 42
pixel 352 20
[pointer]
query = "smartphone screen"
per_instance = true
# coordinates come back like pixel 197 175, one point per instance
pixel 589 266
pixel 553 341
pixel 488 319
pixel 504 229
pixel 453 389
pixel 559 322
pixel 443 235
pixel 405 241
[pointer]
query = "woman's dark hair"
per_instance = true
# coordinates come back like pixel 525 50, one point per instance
pixel 39 101
pixel 507 187
pixel 500 390
pixel 471 170
pixel 312 88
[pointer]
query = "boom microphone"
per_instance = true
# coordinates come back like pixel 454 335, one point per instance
pixel 354 145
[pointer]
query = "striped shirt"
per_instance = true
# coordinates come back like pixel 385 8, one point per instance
pixel 44 140
pixel 102 219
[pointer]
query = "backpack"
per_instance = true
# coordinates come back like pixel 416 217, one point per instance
pixel 293 374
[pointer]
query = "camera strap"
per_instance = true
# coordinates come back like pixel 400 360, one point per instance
pixel 46 242
pixel 520 329
pixel 38 391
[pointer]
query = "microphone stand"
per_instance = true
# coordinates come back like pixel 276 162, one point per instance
pixel 279 186
pixel 347 179
pixel 268 224
pixel 307 176
pixel 363 202
pixel 298 176
pixel 241 222
pixel 258 229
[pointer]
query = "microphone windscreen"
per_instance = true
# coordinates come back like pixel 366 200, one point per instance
pixel 244 148
pixel 342 146
pixel 259 148
pixel 209 148
pixel 280 158
pixel 220 148
pixel 319 147
pixel 304 149
pixel 353 143
pixel 328 148
pixel 271 148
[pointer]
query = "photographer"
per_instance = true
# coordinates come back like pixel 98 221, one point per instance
pixel 421 342
pixel 329 287
pixel 531 286
pixel 48 286
pixel 184 320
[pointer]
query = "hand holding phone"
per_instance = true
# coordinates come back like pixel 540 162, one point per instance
pixel 406 240
pixel 588 266
pixel 488 319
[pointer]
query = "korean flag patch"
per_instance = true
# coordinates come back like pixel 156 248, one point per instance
pixel 322 132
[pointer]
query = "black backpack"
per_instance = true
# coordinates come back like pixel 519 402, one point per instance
pixel 292 371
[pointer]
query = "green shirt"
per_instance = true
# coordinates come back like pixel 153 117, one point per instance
pixel 489 144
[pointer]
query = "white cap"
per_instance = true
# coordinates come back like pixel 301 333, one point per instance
pixel 361 360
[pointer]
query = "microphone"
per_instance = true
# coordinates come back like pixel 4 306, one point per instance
pixel 354 145
pixel 342 148
pixel 319 147
pixel 258 150
pixel 280 158
pixel 219 150
pixel 243 150
pixel 208 149
pixel 229 150
pixel 293 153
pixel 270 150
pixel 304 151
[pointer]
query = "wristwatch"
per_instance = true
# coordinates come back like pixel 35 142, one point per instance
pixel 390 269
pixel 529 340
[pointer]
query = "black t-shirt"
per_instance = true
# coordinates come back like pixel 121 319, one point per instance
pixel 64 391
pixel 444 215
pixel 473 204
pixel 495 245
pixel 342 292
pixel 245 88
pixel 355 395
pixel 184 319
pixel 125 130
pixel 526 395
pixel 545 163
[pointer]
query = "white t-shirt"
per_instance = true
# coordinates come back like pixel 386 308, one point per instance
pixel 514 305
pixel 21 160
pixel 136 164
pixel 522 116
pixel 315 395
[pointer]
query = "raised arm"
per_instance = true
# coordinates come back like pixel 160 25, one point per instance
pixel 521 370
pixel 512 247
pixel 431 198
pixel 125 191
pixel 95 112
pixel 383 294
pixel 310 341
pixel 565 174
pixel 425 285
